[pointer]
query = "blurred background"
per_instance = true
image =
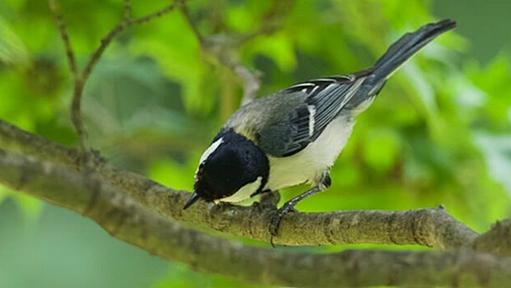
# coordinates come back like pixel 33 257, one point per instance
pixel 439 133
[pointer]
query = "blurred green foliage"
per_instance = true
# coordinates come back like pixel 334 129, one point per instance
pixel 439 133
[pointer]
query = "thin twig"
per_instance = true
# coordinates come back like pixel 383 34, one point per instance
pixel 157 14
pixel 127 10
pixel 80 78
pixel 251 79
pixel 252 83
pixel 222 47
pixel 222 50
pixel 105 41
pixel 271 21
pixel 76 112
pixel 195 30
pixel 65 36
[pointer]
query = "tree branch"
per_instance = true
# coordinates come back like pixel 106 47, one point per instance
pixel 127 11
pixel 124 218
pixel 428 227
pixel 222 46
pixel 193 27
pixel 156 14
pixel 59 21
pixel 497 240
pixel 125 23
pixel 271 21
pixel 81 77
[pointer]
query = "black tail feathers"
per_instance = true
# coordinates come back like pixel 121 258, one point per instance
pixel 394 57
pixel 404 48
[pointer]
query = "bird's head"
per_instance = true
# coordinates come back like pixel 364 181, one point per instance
pixel 230 163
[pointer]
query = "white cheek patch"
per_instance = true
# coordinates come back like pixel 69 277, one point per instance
pixel 244 192
pixel 210 150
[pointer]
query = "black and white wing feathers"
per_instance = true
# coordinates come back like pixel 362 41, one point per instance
pixel 323 100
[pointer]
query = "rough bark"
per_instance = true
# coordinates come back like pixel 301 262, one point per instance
pixel 124 218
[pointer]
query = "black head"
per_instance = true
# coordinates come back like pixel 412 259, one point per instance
pixel 231 162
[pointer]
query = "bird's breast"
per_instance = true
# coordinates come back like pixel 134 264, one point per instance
pixel 309 164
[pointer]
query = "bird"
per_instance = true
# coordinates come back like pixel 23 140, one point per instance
pixel 294 136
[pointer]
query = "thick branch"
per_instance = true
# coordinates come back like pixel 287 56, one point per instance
pixel 497 240
pixel 429 227
pixel 122 217
pixel 15 139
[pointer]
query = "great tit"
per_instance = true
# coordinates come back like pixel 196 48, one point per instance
pixel 294 135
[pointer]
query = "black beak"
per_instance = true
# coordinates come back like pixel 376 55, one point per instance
pixel 191 200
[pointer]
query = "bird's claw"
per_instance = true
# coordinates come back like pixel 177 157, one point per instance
pixel 275 221
pixel 270 199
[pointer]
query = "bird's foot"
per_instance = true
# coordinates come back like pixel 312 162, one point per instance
pixel 276 219
pixel 270 199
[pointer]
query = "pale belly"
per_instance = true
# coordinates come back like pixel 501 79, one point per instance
pixel 308 165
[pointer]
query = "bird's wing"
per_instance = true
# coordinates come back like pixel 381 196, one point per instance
pixel 323 99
